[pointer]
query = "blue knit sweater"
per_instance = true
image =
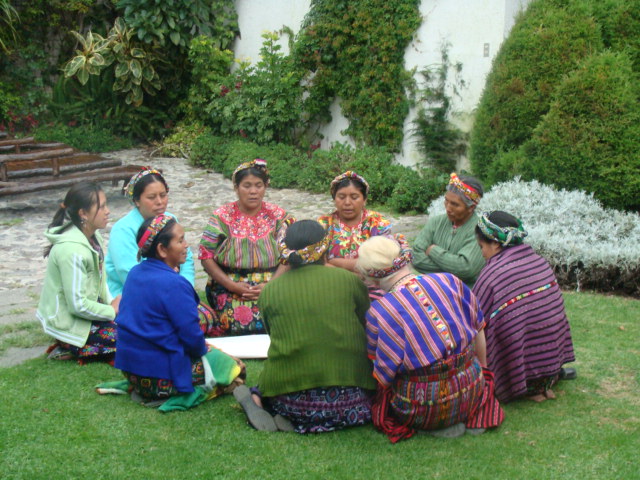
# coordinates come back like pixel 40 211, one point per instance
pixel 158 331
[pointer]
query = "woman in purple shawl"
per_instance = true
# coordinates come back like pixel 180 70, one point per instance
pixel 527 331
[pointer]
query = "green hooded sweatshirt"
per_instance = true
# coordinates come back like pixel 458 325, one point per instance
pixel 75 288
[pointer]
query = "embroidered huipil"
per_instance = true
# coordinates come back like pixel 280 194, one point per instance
pixel 344 240
pixel 239 242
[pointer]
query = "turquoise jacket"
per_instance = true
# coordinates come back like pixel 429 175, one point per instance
pixel 123 252
pixel 75 291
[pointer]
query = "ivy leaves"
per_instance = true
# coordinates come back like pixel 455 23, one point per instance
pixel 355 51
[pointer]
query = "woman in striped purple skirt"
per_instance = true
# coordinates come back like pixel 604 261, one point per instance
pixel 425 337
pixel 527 331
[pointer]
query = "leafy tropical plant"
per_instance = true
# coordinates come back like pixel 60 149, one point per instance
pixel 134 66
pixel 8 19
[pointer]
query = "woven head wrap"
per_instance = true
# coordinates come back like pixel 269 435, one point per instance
pixel 505 236
pixel 258 163
pixel 404 258
pixel 309 254
pixel 139 176
pixel 347 174
pixel 466 190
pixel 150 234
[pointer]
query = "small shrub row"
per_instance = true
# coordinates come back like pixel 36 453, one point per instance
pixel 588 246
pixel 87 138
pixel 395 186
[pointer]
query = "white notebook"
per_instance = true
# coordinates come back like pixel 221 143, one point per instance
pixel 244 346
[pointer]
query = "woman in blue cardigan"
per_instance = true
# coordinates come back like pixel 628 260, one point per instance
pixel 161 349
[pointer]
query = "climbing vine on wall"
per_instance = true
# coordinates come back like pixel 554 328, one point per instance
pixel 354 50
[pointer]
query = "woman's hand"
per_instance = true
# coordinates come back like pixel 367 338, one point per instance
pixel 115 303
pixel 246 291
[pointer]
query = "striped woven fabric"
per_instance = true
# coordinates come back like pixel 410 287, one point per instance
pixel 239 242
pixel 430 318
pixel 528 338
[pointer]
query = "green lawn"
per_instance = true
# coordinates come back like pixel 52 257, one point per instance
pixel 55 426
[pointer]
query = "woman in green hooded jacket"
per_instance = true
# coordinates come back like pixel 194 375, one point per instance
pixel 75 305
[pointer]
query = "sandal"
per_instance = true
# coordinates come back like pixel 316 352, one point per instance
pixel 257 417
pixel 59 353
pixel 283 423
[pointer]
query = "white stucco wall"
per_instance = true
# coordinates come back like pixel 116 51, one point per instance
pixel 474 30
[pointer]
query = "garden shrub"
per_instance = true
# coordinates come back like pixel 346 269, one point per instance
pixel 415 191
pixel 95 103
pixel 209 68
pixel 181 139
pixel 396 186
pixel 263 102
pixel 86 138
pixel 547 42
pixel 209 151
pixel 588 246
pixel 620 26
pixel 590 137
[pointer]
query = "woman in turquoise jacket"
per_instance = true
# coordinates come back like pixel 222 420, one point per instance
pixel 148 192
pixel 75 305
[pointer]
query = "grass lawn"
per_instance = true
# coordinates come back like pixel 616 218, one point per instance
pixel 55 426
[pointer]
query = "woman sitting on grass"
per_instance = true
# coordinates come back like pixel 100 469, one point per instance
pixel 75 306
pixel 239 251
pixel 161 349
pixel 447 242
pixel 528 337
pixel 351 223
pixel 426 340
pixel 148 192
pixel 317 375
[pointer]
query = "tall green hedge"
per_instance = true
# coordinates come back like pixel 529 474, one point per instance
pixel 590 137
pixel 561 104
pixel 546 43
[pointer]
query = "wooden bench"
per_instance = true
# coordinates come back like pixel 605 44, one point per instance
pixel 30 166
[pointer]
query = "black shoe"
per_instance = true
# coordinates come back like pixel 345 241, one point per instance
pixel 568 374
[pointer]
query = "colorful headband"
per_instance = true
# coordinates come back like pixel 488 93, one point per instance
pixel 348 174
pixel 309 254
pixel 150 234
pixel 257 163
pixel 505 236
pixel 466 190
pixel 404 258
pixel 139 176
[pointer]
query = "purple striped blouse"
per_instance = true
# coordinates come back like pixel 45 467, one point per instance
pixel 428 319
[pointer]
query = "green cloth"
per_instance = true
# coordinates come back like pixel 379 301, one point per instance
pixel 456 251
pixel 315 317
pixel 224 370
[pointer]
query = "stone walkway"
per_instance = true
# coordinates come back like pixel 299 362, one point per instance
pixel 193 194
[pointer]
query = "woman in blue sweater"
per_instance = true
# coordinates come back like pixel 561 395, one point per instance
pixel 161 349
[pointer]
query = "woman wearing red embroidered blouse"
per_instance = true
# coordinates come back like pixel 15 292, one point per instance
pixel 240 253
pixel 351 223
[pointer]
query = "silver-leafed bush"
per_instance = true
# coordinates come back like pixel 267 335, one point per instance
pixel 588 246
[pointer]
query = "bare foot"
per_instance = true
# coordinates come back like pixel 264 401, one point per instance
pixel 256 399
pixel 537 398
pixel 549 394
